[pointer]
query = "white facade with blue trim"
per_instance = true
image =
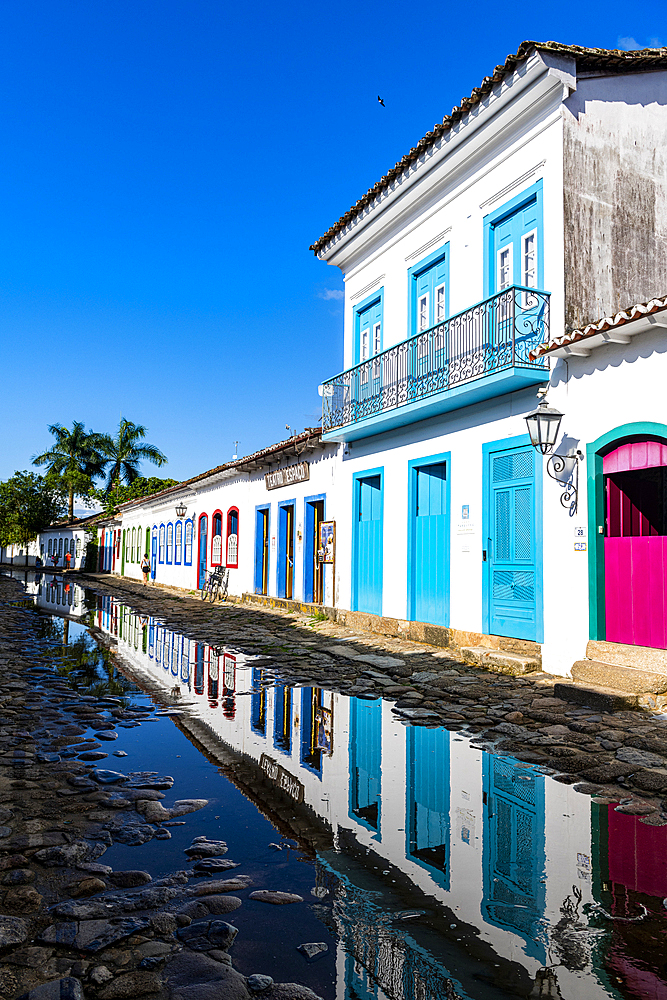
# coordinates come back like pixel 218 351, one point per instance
pixel 469 273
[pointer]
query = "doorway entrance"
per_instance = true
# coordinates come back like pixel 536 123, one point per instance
pixel 154 552
pixel 367 542
pixel 201 560
pixel 635 543
pixel 313 569
pixel 428 594
pixel 286 549
pixel 262 550
pixel 512 540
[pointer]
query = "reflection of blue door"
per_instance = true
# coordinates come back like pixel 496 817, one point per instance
pixel 513 581
pixel 429 542
pixel 153 553
pixel 513 849
pixel 203 536
pixel 366 761
pixel 428 796
pixel 368 541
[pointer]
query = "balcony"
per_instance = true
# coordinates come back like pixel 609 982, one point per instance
pixel 475 355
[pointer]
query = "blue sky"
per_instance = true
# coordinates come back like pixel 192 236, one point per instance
pixel 164 167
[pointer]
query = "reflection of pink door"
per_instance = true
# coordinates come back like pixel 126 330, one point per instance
pixel 635 545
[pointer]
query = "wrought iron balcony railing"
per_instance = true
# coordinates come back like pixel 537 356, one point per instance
pixel 492 336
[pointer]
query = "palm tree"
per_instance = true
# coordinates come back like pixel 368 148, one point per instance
pixel 125 452
pixel 75 458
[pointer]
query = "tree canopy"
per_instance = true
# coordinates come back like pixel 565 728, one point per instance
pixel 124 452
pixel 74 461
pixel 140 487
pixel 28 504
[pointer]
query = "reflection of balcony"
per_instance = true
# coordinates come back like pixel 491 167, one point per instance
pixel 475 355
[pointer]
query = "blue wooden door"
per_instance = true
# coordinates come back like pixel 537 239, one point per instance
pixel 203 541
pixel 430 296
pixel 427 800
pixel 430 546
pixel 366 761
pixel 154 553
pixel 368 545
pixel 513 560
pixel 369 331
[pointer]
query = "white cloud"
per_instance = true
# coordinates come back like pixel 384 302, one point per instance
pixel 629 44
pixel 331 293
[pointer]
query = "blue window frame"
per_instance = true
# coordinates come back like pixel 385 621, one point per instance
pixel 170 543
pixel 178 542
pixel 428 291
pixel 368 327
pixel 189 530
pixel 161 544
pixel 513 243
pixel 282 718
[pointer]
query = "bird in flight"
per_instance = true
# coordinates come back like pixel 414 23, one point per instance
pixel 380 101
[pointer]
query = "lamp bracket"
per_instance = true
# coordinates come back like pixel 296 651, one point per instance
pixel 564 469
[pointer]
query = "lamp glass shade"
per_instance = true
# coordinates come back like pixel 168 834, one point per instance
pixel 543 426
pixel 180 510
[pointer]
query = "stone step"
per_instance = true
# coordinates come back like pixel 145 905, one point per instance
pixel 501 661
pixel 601 699
pixel 623 655
pixel 618 678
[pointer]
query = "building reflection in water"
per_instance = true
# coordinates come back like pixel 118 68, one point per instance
pixel 517 877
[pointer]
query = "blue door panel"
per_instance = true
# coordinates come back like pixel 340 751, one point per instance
pixel 368 545
pixel 513 549
pixel 430 552
pixel 428 800
pixel 366 761
pixel 203 541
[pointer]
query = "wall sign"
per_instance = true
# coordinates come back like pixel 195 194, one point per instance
pixel 284 477
pixel 282 778
pixel 326 552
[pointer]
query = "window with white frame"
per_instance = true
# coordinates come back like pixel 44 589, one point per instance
pixel 422 313
pixel 377 338
pixel 170 542
pixel 128 539
pixel 504 267
pixel 78 546
pixel 233 537
pixel 188 543
pixel 161 544
pixel 178 542
pixel 139 552
pixel 49 549
pixel 60 547
pixel 440 304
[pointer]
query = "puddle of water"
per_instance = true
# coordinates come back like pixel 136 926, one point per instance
pixel 440 870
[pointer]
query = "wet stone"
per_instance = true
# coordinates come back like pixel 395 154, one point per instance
pixel 131 985
pixel 202 847
pixel 20 876
pixel 67 988
pixel 639 758
pixel 129 879
pixel 86 887
pixel 258 982
pixel 313 949
pixel 223 885
pixel 106 777
pixel 92 755
pixel 276 897
pixel 108 736
pixel 23 899
pixel 203 935
pixel 13 930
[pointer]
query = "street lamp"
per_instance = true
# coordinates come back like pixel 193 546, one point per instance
pixel 543 426
pixel 180 510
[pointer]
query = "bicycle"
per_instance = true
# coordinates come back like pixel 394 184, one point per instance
pixel 216 585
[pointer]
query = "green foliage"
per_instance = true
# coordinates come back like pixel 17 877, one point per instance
pixel 28 504
pixel 74 461
pixel 124 452
pixel 317 618
pixel 138 488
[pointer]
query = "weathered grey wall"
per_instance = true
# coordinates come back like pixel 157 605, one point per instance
pixel 615 194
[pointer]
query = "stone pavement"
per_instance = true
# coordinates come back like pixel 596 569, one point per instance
pixel 72 928
pixel 617 756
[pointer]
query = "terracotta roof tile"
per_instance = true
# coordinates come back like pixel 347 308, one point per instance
pixel 601 326
pixel 612 60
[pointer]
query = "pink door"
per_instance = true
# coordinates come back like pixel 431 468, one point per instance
pixel 635 545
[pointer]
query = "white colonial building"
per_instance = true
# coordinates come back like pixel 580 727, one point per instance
pixel 478 275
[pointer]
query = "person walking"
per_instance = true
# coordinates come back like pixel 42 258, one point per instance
pixel 145 568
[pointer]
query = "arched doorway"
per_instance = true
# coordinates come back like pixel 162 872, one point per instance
pixel 629 538
pixel 201 562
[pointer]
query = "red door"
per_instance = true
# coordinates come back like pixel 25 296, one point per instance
pixel 635 545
